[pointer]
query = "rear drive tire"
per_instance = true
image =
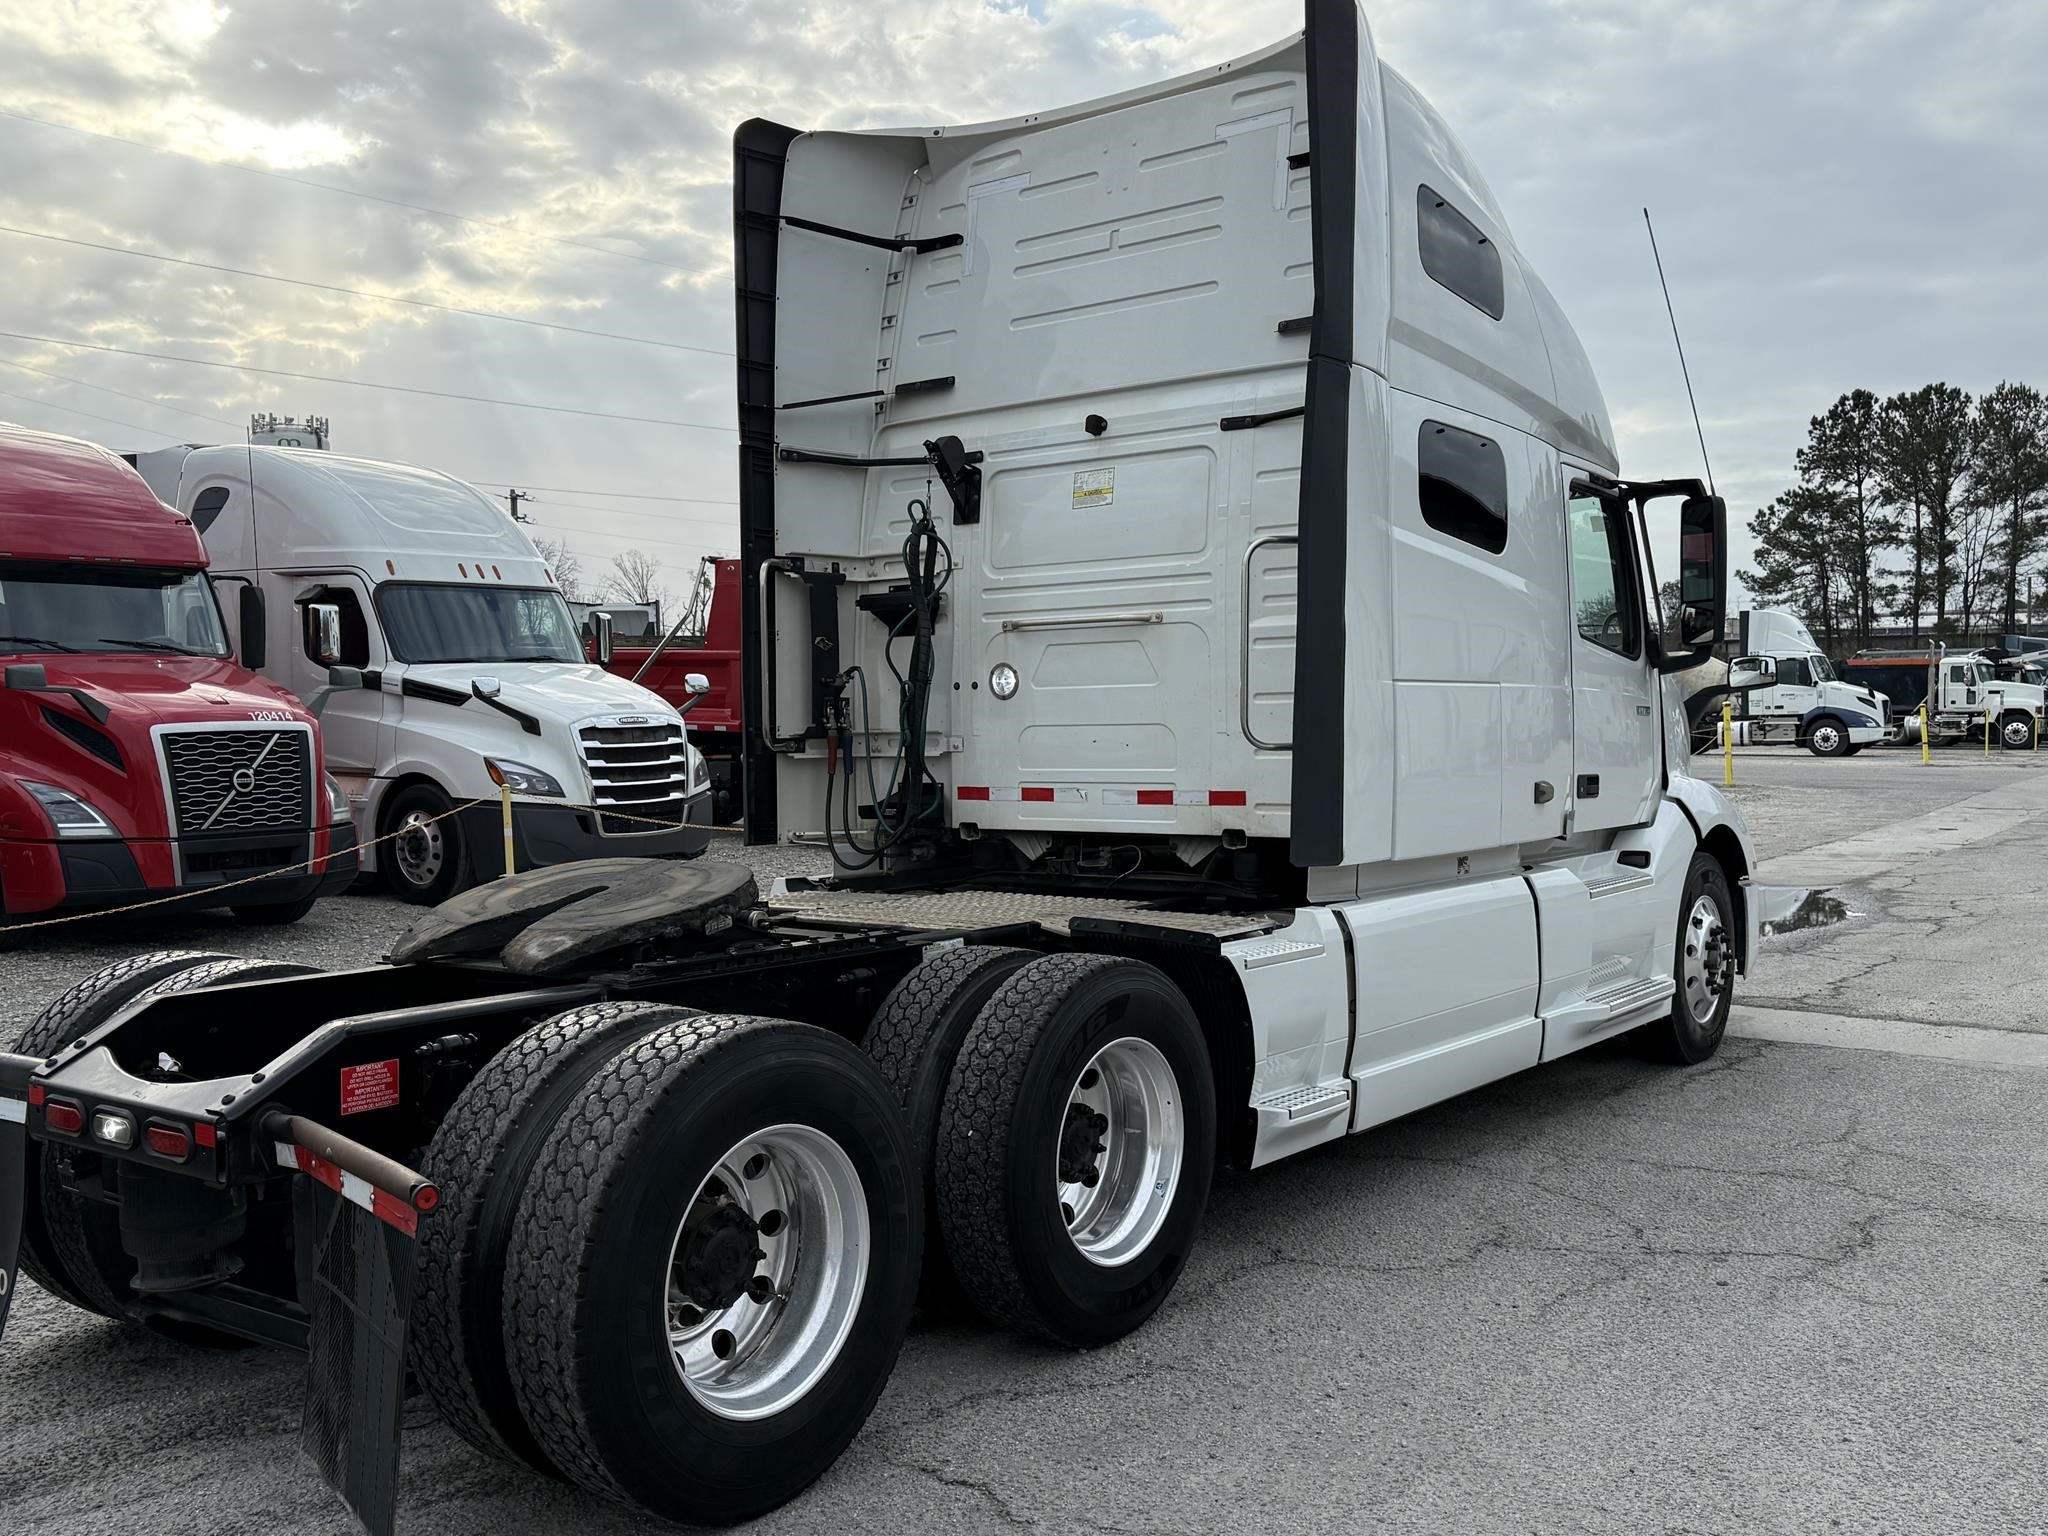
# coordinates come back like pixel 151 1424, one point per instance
pixel 1827 737
pixel 86 1234
pixel 914 1038
pixel 74 1014
pixel 479 1159
pixel 276 914
pixel 1704 962
pixel 428 860
pixel 1079 1065
pixel 714 1147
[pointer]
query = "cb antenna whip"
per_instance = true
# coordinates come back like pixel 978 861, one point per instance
pixel 1683 370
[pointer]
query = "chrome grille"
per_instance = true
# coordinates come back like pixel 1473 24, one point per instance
pixel 238 781
pixel 639 768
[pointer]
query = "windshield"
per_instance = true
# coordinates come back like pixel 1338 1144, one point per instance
pixel 447 623
pixel 102 609
pixel 1981 672
pixel 1823 669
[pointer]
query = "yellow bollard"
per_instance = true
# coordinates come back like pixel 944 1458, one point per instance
pixel 1727 743
pixel 1923 735
pixel 505 800
pixel 1987 733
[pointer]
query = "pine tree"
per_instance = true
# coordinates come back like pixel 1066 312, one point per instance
pixel 1924 441
pixel 1798 549
pixel 1843 456
pixel 2009 472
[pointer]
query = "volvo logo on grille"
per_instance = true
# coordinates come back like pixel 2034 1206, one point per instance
pixel 633 720
pixel 244 781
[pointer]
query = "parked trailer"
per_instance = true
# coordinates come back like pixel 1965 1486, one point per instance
pixel 1217 636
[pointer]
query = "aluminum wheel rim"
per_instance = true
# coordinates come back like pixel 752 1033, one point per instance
pixel 1825 737
pixel 421 848
pixel 2018 733
pixel 1123 1126
pixel 791 1197
pixel 1708 960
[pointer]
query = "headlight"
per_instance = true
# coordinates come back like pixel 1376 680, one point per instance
pixel 71 816
pixel 521 779
pixel 337 799
pixel 700 771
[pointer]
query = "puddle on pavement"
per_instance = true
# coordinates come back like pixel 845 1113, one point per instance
pixel 1796 908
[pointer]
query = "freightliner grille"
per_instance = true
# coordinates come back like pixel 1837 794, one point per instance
pixel 639 772
pixel 238 781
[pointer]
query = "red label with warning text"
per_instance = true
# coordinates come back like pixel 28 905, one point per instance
pixel 373 1085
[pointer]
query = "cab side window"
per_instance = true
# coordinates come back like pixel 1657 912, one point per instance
pixel 1463 485
pixel 1602 597
pixel 1793 672
pixel 355 632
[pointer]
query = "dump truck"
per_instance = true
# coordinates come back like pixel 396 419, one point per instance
pixel 1963 692
pixel 1191 588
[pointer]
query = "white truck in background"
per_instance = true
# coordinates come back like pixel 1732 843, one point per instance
pixel 1963 692
pixel 426 632
pixel 1808 705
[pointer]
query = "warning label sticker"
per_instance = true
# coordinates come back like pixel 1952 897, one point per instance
pixel 373 1085
pixel 1094 487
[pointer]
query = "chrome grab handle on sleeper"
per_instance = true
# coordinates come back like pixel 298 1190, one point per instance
pixel 768 569
pixel 1244 686
pixel 1084 621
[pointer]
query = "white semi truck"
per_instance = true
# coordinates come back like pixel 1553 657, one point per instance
pixel 1808 705
pixel 1967 698
pixel 429 636
pixel 1193 591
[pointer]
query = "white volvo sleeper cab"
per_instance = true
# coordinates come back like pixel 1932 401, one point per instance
pixel 1809 704
pixel 424 629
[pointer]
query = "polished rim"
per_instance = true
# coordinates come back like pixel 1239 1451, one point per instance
pixel 1121 1145
pixel 422 850
pixel 766 1272
pixel 1709 959
pixel 2018 733
pixel 1826 738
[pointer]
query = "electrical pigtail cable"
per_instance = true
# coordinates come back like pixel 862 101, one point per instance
pixel 901 808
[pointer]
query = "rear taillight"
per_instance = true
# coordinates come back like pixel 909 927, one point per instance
pixel 63 1117
pixel 168 1141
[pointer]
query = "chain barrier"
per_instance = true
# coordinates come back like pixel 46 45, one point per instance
pixel 11 928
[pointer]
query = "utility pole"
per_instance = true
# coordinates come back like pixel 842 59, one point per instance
pixel 516 497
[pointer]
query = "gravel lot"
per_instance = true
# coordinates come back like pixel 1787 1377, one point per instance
pixel 1795 1290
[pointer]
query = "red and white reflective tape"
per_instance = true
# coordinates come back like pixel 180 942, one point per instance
pixel 389 1209
pixel 1173 797
pixel 1030 794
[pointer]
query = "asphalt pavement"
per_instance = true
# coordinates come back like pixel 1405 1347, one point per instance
pixel 1797 1289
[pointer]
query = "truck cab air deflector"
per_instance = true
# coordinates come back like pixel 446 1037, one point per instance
pixel 555 921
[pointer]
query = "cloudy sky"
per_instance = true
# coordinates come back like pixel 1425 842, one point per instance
pixel 1848 193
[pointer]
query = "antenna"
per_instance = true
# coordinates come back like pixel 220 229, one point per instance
pixel 1686 372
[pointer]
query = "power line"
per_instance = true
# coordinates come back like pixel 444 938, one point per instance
pixel 678 517
pixel 578 490
pixel 162 405
pixel 371 197
pixel 628 539
pixel 402 389
pixel 358 293
pixel 51 405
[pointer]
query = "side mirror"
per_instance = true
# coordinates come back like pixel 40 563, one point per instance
pixel 1746 673
pixel 345 677
pixel 28 677
pixel 252 626
pixel 696 685
pixel 323 633
pixel 601 635
pixel 1702 581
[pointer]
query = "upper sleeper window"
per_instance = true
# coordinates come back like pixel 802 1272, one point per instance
pixel 1463 485
pixel 206 506
pixel 1457 255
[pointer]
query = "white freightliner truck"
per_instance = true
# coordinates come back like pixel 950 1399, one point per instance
pixel 1193 591
pixel 459 666
pixel 1808 705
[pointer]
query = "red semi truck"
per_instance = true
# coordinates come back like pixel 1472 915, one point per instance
pixel 138 757
pixel 714 717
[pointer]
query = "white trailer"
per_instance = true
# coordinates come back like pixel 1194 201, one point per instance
pixel 1807 704
pixel 425 630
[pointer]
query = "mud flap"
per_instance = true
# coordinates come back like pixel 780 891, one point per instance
pixel 14 1076
pixel 357 1289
